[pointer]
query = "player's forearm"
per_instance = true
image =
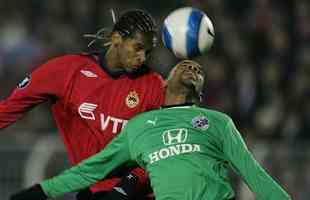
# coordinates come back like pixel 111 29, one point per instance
pixel 14 107
pixel 9 113
pixel 81 176
pixel 65 183
pixel 88 172
pixel 259 181
pixel 264 187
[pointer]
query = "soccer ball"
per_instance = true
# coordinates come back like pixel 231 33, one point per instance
pixel 187 32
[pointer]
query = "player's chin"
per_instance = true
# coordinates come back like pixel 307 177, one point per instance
pixel 132 68
pixel 136 65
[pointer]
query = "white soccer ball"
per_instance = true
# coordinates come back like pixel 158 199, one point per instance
pixel 188 32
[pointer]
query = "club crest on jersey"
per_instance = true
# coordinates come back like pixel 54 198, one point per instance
pixel 132 99
pixel 24 82
pixel 200 122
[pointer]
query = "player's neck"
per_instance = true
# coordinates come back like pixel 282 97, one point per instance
pixel 173 98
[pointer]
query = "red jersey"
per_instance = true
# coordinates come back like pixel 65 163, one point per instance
pixel 88 105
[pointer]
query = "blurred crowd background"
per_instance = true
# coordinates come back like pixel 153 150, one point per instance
pixel 258 71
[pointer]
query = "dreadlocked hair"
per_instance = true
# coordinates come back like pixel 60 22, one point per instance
pixel 128 24
pixel 135 20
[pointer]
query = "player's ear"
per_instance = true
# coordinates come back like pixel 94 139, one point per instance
pixel 116 39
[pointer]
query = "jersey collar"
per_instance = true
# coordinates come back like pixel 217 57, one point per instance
pixel 183 105
pixel 99 58
pixel 116 73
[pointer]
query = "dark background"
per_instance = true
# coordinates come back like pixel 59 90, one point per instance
pixel 258 72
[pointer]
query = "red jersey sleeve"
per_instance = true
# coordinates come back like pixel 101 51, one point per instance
pixel 47 82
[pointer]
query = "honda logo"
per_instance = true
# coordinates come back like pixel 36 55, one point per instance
pixel 174 136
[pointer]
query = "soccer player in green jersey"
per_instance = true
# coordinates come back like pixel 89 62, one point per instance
pixel 186 150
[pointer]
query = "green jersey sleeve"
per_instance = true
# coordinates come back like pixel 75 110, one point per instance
pixel 90 170
pixel 248 168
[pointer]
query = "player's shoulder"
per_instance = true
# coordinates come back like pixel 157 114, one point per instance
pixel 69 62
pixel 154 75
pixel 152 79
pixel 70 58
pixel 144 115
pixel 141 117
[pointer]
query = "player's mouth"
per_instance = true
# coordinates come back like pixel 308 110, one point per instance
pixel 135 66
pixel 137 63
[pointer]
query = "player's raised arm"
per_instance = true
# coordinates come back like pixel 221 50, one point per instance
pixel 264 187
pixel 83 175
pixel 47 82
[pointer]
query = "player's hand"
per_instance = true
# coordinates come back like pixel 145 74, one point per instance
pixel 124 190
pixel 33 193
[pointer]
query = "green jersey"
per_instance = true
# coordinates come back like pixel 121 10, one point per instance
pixel 186 150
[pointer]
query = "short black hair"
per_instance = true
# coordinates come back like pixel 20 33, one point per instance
pixel 133 21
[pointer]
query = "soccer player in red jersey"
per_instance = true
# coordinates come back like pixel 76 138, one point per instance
pixel 93 95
